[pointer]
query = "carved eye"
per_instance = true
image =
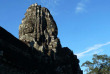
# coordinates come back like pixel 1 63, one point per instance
pixel 30 29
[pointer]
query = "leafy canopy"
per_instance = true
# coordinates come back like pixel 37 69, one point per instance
pixel 100 65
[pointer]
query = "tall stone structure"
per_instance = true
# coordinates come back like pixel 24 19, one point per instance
pixel 38 49
pixel 39 27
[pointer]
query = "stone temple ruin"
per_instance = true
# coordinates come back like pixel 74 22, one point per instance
pixel 38 49
pixel 39 26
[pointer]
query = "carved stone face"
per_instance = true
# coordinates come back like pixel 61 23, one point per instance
pixel 29 28
pixel 40 27
pixel 26 32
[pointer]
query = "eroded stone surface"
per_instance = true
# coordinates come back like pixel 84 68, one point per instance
pixel 39 26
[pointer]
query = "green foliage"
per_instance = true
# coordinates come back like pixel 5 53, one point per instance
pixel 100 65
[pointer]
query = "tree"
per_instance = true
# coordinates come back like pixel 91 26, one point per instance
pixel 100 65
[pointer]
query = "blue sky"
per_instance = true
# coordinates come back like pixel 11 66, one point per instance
pixel 83 25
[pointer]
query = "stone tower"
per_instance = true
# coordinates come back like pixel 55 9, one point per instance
pixel 39 28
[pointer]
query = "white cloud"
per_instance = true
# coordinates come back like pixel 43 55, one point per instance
pixel 90 49
pixel 81 6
